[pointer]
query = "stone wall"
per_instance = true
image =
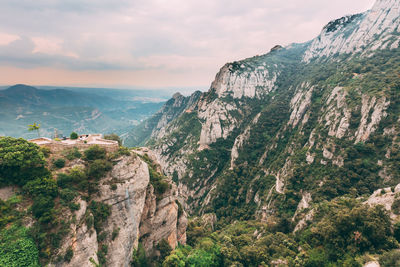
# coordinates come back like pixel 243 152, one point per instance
pixel 58 146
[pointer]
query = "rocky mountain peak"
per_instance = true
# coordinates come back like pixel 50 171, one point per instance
pixel 177 95
pixel 361 33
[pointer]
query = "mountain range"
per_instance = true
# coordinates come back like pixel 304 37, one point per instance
pixel 75 109
pixel 277 134
pixel 291 158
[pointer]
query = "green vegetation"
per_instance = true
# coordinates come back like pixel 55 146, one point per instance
pixel 20 161
pixel 342 231
pixel 59 163
pixel 73 136
pixel 72 153
pixel 157 179
pixel 17 248
pixel 95 152
pixel 34 127
pixel 23 164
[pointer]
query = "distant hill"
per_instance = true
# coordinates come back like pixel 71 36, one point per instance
pixel 68 110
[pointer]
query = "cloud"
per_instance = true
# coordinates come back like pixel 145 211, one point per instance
pixel 157 36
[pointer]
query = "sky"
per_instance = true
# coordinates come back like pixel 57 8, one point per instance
pixel 149 43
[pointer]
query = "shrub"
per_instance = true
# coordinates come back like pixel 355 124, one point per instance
pixel 68 195
pixel 21 161
pixel 41 186
pixel 389 259
pixel 98 168
pixel 122 151
pixel 76 178
pixel 73 136
pixel 95 152
pixel 59 163
pixel 396 206
pixel 164 248
pixel 17 248
pixel 317 257
pixel 42 206
pixel 139 258
pixel 68 255
pixel 115 233
pixel 73 153
pixel 396 231
pixel 74 206
pixel 100 212
pixel 158 182
pixel 46 151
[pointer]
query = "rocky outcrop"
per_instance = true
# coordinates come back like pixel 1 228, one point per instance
pixel 242 80
pixel 369 31
pixel 369 121
pixel 240 139
pixel 385 197
pixel 136 215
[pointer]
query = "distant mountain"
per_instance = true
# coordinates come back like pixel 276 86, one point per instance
pixel 24 95
pixel 67 111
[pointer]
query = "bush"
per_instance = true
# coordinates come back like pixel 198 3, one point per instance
pixel 17 248
pixel 317 258
pixel 59 163
pixel 68 255
pixel 396 206
pixel 98 168
pixel 68 195
pixel 41 187
pixel 158 182
pixel 164 248
pixel 122 151
pixel 396 231
pixel 115 233
pixel 100 212
pixel 389 259
pixel 46 151
pixel 21 161
pixel 76 178
pixel 139 258
pixel 73 136
pixel 73 153
pixel 42 207
pixel 95 152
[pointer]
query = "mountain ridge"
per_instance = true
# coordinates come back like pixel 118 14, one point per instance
pixel 261 110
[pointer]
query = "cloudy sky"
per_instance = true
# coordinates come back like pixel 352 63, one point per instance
pixel 149 43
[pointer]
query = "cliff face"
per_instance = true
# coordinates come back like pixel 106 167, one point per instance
pixel 136 215
pixel 366 32
pixel 276 119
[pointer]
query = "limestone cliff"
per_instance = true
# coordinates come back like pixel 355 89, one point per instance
pixel 137 215
pixel 297 106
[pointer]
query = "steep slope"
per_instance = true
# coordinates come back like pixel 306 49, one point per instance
pixel 84 207
pixel 136 214
pixel 363 33
pixel 318 119
pixel 153 127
